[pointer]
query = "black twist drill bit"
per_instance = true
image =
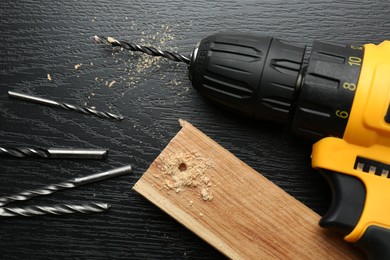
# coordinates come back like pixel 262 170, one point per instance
pixel 80 109
pixel 32 211
pixel 22 152
pixel 72 183
pixel 145 49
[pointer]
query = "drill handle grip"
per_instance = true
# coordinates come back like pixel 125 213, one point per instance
pixel 348 202
pixel 375 242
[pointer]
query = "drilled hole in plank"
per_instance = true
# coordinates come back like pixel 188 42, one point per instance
pixel 182 167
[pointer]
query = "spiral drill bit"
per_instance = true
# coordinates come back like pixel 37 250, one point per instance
pixel 72 183
pixel 145 49
pixel 22 152
pixel 80 109
pixel 32 211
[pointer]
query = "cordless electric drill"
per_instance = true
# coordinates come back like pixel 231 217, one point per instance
pixel 339 97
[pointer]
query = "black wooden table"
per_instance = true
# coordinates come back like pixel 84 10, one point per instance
pixel 53 39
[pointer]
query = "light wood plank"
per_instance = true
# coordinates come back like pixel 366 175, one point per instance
pixel 233 207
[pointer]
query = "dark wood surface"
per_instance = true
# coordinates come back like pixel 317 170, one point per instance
pixel 51 37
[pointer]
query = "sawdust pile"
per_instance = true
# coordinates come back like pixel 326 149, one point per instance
pixel 186 170
pixel 138 66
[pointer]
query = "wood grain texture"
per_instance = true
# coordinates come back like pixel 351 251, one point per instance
pixel 233 207
pixel 46 37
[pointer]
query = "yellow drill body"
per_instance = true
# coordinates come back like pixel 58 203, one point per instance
pixel 367 135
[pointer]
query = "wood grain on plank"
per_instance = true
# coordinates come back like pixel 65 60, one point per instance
pixel 233 207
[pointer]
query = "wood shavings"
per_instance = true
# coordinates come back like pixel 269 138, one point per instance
pixel 159 41
pixel 174 82
pixel 183 171
pixel 49 77
pixel 111 84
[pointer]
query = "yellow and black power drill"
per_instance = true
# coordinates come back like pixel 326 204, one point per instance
pixel 339 96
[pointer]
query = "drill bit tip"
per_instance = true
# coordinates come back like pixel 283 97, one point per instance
pixel 99 39
pixel 112 40
pixel 107 40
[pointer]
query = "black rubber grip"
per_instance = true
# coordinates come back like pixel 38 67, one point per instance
pixel 376 243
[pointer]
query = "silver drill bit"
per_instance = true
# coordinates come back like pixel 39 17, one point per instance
pixel 32 211
pixel 48 102
pixel 145 49
pixel 57 153
pixel 72 183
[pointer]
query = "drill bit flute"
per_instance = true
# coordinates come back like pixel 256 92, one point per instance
pixel 66 106
pixel 54 210
pixel 173 56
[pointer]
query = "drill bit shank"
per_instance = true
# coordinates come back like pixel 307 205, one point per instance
pixel 80 109
pixel 21 152
pixel 145 49
pixel 32 211
pixel 72 183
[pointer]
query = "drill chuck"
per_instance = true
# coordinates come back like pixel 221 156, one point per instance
pixel 250 74
pixel 266 78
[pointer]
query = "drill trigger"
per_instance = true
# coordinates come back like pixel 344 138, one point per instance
pixel 348 199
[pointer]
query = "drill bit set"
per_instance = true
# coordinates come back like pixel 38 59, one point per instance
pixel 50 189
pixel 58 153
pixel 47 190
pixel 72 153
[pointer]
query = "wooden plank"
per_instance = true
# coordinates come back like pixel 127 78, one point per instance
pixel 233 207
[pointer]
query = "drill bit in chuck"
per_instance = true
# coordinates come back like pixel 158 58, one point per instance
pixel 80 109
pixel 145 49
pixel 72 183
pixel 54 210
pixel 22 152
